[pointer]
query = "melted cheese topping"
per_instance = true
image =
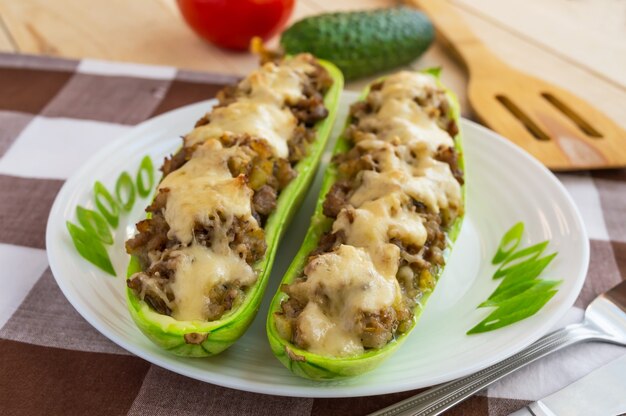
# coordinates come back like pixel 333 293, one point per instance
pixel 360 276
pixel 403 121
pixel 262 111
pixel 406 85
pixel 323 335
pixel 375 223
pixel 428 182
pixel 199 269
pixel 356 286
pixel 203 191
pixel 436 188
pixel 278 84
pixel 257 118
pixel 203 188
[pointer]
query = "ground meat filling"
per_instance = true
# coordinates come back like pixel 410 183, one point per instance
pixel 265 174
pixel 154 282
pixel 308 110
pixel 377 329
pixel 336 198
pixel 151 239
pixel 152 233
pixel 418 265
pixel 328 242
pixel 264 200
pixel 451 157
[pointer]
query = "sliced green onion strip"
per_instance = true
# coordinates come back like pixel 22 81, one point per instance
pixel 518 307
pixel 524 255
pixel 528 270
pixel 521 293
pixel 146 171
pixel 504 294
pixel 106 204
pixel 125 191
pixel 95 224
pixel 509 243
pixel 90 248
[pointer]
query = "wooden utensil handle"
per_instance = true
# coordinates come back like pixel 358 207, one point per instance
pixel 455 34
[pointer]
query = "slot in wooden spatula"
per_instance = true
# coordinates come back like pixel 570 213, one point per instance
pixel 561 130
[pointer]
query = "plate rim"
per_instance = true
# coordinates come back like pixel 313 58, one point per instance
pixel 313 390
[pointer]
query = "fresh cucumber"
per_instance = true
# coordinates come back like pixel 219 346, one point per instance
pixel 362 43
pixel 205 338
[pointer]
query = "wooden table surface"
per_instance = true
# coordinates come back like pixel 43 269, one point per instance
pixel 576 44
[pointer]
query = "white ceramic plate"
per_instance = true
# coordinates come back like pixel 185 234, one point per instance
pixel 504 186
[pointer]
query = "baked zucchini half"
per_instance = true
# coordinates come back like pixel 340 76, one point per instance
pixel 326 321
pixel 228 307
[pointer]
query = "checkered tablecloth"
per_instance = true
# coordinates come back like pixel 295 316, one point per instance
pixel 56 113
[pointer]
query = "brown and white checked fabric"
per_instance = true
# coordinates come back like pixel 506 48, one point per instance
pixel 56 113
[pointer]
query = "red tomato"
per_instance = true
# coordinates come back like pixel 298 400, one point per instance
pixel 233 23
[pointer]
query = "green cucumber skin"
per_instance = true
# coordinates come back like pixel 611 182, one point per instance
pixel 362 43
pixel 318 367
pixel 169 333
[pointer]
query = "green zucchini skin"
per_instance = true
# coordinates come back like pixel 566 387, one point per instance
pixel 167 332
pixel 318 367
pixel 362 43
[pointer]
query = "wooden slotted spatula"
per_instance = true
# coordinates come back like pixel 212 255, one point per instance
pixel 561 130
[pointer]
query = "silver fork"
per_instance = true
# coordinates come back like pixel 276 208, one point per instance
pixel 605 320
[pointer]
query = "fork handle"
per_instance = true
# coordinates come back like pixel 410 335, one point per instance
pixel 456 36
pixel 439 399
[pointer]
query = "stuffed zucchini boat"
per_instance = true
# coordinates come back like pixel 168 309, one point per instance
pixel 201 260
pixel 391 205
